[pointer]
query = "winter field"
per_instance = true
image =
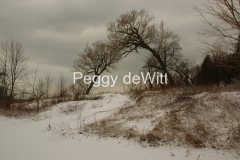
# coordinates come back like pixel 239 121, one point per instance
pixel 149 125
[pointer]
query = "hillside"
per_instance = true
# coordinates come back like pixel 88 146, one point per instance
pixel 171 124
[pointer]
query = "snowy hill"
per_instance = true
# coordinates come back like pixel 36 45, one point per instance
pixel 179 125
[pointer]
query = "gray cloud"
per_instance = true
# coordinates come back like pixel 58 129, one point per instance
pixel 53 31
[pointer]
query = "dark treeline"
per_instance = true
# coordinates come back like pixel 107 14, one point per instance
pixel 215 70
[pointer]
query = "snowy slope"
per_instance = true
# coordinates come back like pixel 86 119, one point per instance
pixel 60 133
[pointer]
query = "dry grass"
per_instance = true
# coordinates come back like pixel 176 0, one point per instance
pixel 191 117
pixel 25 109
pixel 152 138
pixel 126 109
pixel 63 129
pixel 193 140
pixel 90 97
pixel 107 127
pixel 29 107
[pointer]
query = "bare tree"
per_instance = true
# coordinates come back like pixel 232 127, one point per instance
pixel 61 88
pixel 226 22
pixel 78 89
pixel 136 30
pixel 48 82
pixel 1 88
pixel 221 58
pixel 185 71
pixel 13 64
pixel 96 59
pixel 223 20
pixel 149 70
pixel 37 87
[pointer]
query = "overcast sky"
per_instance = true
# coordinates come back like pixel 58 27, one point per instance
pixel 53 31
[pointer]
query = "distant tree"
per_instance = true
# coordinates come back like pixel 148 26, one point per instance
pixel 224 67
pixel 136 30
pixel 213 72
pixel 150 71
pixel 234 65
pixel 13 64
pixel 1 88
pixel 78 89
pixel 206 74
pixel 96 59
pixel 37 87
pixel 61 88
pixel 185 71
pixel 48 82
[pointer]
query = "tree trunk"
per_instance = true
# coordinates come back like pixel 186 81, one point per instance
pixel 91 85
pixel 170 79
pixel 89 88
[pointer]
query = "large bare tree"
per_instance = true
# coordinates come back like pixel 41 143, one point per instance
pixel 96 59
pixel 136 30
pixel 223 20
pixel 13 64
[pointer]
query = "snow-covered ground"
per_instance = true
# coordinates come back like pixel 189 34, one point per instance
pixel 59 134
